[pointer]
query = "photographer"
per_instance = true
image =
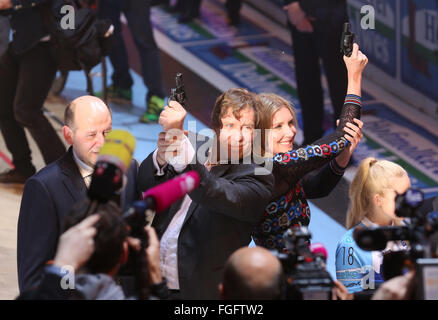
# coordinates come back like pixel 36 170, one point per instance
pixel 252 274
pixel 256 274
pixel 372 203
pixel 96 247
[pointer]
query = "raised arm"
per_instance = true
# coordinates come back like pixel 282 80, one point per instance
pixel 298 162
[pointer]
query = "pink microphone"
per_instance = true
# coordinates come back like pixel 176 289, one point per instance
pixel 319 250
pixel 165 194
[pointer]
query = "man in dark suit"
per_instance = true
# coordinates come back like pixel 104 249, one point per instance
pixel 49 195
pixel 27 70
pixel 316 29
pixel 200 232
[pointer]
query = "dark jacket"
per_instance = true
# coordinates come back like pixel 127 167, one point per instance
pixel 27 23
pixel 48 197
pixel 324 11
pixel 224 210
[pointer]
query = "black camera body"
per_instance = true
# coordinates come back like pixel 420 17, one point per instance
pixel 421 231
pixel 134 275
pixel 306 276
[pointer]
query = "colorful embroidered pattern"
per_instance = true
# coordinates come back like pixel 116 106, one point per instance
pixel 304 154
pixel 285 212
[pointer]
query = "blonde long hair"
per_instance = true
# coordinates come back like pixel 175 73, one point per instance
pixel 371 178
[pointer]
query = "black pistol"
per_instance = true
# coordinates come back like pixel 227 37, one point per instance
pixel 347 40
pixel 178 94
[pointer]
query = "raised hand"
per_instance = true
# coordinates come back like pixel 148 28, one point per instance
pixel 76 245
pixel 172 116
pixel 356 63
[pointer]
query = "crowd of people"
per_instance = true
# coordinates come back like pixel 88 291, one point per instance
pixel 198 248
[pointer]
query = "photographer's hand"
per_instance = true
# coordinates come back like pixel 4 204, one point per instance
pixel 5 4
pixel 153 256
pixel 398 288
pixel 76 245
pixel 339 292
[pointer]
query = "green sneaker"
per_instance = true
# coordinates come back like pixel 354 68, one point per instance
pixel 117 95
pixel 154 108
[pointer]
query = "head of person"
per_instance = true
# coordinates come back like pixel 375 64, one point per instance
pixel 250 274
pixel 373 192
pixel 234 117
pixel 110 241
pixel 278 124
pixel 87 120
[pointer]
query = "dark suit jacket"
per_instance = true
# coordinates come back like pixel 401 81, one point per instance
pixel 225 208
pixel 48 197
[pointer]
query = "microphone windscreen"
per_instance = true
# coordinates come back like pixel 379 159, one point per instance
pixel 112 163
pixel 118 149
pixel 171 191
pixel 319 249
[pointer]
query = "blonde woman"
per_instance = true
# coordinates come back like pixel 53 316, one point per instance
pixel 372 203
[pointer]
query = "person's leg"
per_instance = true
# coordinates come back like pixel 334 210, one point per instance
pixel 138 15
pixel 233 9
pixel 4 34
pixel 308 75
pixel 13 133
pixel 36 72
pixel 334 67
pixel 191 10
pixel 121 77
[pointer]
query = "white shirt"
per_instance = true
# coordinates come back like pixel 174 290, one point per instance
pixel 169 240
pixel 85 170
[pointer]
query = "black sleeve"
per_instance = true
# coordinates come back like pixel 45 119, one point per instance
pixel 241 198
pixel 319 183
pixel 37 233
pixel 147 179
pixel 297 163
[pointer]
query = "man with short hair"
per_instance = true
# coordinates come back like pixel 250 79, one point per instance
pixel 49 195
pixel 252 274
pixel 316 29
pixel 199 232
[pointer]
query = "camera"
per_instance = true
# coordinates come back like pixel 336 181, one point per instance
pixel 306 276
pixel 421 232
pixel 134 275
